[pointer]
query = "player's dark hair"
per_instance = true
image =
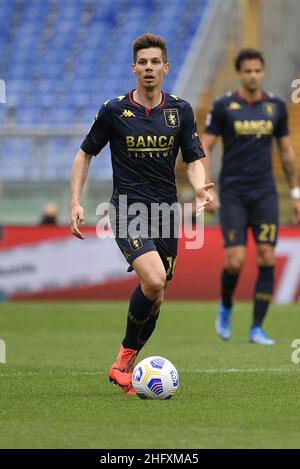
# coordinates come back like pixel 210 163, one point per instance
pixel 148 40
pixel 248 54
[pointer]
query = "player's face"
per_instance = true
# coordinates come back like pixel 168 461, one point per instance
pixel 251 74
pixel 150 68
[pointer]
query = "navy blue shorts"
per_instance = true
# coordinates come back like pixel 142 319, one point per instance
pixel 256 210
pixel 150 234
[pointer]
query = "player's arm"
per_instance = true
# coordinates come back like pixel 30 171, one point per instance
pixel 192 154
pixel 288 163
pixel 214 126
pixel 208 142
pixel 78 176
pixel 196 177
pixel 95 140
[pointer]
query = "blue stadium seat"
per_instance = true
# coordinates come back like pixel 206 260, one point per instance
pixel 2 113
pixel 62 59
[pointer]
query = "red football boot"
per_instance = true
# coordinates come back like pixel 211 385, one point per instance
pixel 121 370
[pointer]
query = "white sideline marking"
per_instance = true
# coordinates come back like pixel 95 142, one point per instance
pixel 240 370
pixel 183 370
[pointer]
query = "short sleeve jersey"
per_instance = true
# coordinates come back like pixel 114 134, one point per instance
pixel 144 144
pixel 247 130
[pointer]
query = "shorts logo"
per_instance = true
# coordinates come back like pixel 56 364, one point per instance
pixel 269 109
pixel 126 254
pixel 171 117
pixel 135 242
pixel 231 235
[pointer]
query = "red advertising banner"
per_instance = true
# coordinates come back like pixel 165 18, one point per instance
pixel 49 263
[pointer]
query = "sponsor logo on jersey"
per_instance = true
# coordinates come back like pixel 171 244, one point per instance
pixel 150 141
pixel 258 128
pixel 234 106
pixel 127 113
pixel 150 146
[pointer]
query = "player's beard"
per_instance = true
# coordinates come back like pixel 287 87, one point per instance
pixel 253 85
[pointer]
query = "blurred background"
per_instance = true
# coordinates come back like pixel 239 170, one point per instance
pixel 61 60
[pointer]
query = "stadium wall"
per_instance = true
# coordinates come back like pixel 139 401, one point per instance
pixel 47 263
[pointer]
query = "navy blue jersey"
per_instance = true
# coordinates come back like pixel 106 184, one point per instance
pixel 144 144
pixel 247 130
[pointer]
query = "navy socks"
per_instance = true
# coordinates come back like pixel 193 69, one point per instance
pixel 138 315
pixel 263 294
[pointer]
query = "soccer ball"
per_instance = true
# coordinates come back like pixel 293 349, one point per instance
pixel 155 378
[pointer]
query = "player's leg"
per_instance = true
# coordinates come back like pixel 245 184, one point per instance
pixel 148 328
pixel 151 273
pixel 167 249
pixel 233 219
pixel 153 265
pixel 234 259
pixel 264 284
pixel 147 297
pixel 140 253
pixel 265 216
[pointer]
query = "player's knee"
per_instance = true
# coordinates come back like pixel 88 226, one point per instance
pixel 235 264
pixel 160 299
pixel 153 286
pixel 265 255
pixel 158 302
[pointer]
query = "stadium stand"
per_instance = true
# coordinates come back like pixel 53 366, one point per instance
pixel 61 60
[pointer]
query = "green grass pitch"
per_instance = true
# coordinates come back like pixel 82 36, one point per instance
pixel 55 393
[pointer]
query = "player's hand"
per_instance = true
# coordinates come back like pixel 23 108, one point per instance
pixel 215 204
pixel 203 197
pixel 77 217
pixel 296 211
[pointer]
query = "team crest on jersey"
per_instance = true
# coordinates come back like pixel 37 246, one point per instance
pixel 171 117
pixel 269 109
pixel 135 242
pixel 234 106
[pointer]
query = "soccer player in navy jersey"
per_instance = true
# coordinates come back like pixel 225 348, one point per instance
pixel 145 128
pixel 247 120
